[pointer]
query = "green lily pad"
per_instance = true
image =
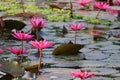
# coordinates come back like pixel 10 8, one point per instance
pixel 67 49
pixel 14 24
pixel 31 66
pixel 11 67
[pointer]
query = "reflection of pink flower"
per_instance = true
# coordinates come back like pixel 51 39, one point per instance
pixel 0 65
pixel 22 35
pixel 81 74
pixel 37 22
pixel 1 50
pixel 83 2
pixel 115 12
pixel 76 27
pixel 101 5
pixel 95 32
pixel 17 51
pixel 41 44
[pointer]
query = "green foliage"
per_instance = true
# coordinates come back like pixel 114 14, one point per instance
pixel 91 20
pixel 50 14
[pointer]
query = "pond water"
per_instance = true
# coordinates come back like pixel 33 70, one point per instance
pixel 100 53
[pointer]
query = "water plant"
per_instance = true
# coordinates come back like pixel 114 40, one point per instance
pixel 1 50
pixel 100 6
pixel 17 51
pixel 40 45
pixel 22 36
pixel 76 27
pixel 83 2
pixel 82 74
pixel 37 25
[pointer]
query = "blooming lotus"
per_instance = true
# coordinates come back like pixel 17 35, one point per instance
pixel 83 2
pixel 22 35
pixel 82 74
pixel 101 6
pixel 1 50
pixel 95 32
pixel 76 27
pixel 115 12
pixel 17 51
pixel 37 22
pixel 0 65
pixel 118 2
pixel 41 45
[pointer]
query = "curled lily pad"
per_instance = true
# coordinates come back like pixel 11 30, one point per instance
pixel 11 67
pixel 31 66
pixel 67 49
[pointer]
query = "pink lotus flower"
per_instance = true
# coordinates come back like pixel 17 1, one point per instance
pixel 1 50
pixel 17 51
pixel 115 12
pixel 41 44
pixel 101 5
pixel 37 22
pixel 83 2
pixel 116 2
pixel 81 74
pixel 22 35
pixel 76 27
pixel 95 32
pixel 0 65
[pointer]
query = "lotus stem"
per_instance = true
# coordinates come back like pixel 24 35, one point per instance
pixel 17 58
pixel 37 34
pixel 22 51
pixel 40 60
pixel 2 26
pixel 108 1
pixel 75 37
pixel 98 13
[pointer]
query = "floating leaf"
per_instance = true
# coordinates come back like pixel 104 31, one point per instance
pixel 11 67
pixel 68 49
pixel 14 24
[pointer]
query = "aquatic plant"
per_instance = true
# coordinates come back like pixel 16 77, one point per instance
pixel 17 51
pixel 41 45
pixel 82 74
pixel 114 12
pixel 100 6
pixel 22 36
pixel 76 27
pixel 37 25
pixel 1 50
pixel 83 2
